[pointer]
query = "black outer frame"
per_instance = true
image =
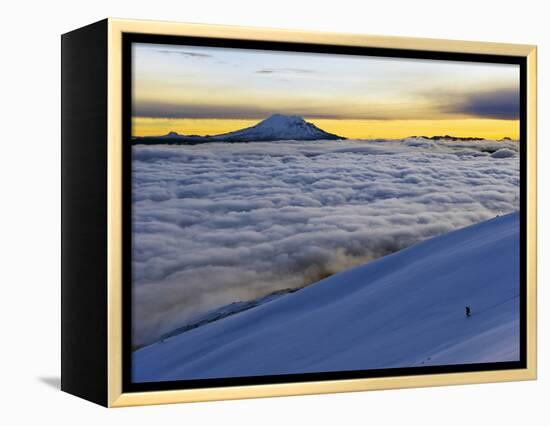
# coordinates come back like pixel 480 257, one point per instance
pixel 84 212
pixel 128 38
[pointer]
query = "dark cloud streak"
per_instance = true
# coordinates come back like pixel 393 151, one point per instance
pixel 285 71
pixel 185 53
pixel 162 110
pixel 255 112
pixel 503 104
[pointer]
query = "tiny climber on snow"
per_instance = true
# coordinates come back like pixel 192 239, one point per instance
pixel 468 311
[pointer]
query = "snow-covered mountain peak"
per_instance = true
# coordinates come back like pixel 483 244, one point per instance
pixel 279 127
pixel 282 120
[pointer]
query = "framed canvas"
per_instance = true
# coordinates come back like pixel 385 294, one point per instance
pixel 250 212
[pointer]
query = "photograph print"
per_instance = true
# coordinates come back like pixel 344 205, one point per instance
pixel 315 214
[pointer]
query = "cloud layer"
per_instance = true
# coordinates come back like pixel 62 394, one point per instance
pixel 221 222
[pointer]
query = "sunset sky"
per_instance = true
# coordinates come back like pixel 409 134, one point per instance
pixel 206 90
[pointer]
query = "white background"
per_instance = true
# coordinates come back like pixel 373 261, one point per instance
pixel 30 194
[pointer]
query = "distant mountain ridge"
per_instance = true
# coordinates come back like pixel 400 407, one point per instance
pixel 274 128
pixel 451 138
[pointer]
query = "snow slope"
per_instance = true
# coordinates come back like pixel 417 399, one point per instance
pixel 401 310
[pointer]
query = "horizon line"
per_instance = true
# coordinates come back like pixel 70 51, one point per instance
pixel 486 128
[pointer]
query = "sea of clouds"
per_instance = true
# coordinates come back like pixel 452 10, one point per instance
pixel 221 222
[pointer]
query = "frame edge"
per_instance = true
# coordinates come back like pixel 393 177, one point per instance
pixel 532 211
pixel 116 398
pixel 83 221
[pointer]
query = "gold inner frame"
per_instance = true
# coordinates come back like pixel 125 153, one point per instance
pixel 116 398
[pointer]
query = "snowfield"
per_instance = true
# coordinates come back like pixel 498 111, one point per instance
pixel 218 223
pixel 402 310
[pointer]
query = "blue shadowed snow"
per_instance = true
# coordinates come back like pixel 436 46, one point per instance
pixel 402 310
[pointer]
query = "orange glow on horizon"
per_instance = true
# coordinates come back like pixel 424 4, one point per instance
pixel 349 128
